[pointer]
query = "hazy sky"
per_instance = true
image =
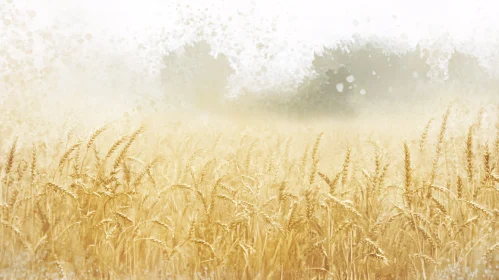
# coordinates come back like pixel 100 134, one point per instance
pixel 280 37
pixel 311 19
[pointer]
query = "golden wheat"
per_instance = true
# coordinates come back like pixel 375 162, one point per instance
pixel 200 202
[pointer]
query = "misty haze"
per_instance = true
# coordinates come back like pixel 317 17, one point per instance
pixel 214 139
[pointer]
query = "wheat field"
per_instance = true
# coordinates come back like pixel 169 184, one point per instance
pixel 393 199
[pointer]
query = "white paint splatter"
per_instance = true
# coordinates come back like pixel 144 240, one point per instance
pixel 339 87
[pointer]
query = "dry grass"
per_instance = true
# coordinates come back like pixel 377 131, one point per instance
pixel 253 202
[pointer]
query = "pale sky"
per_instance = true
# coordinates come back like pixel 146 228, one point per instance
pixel 291 31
